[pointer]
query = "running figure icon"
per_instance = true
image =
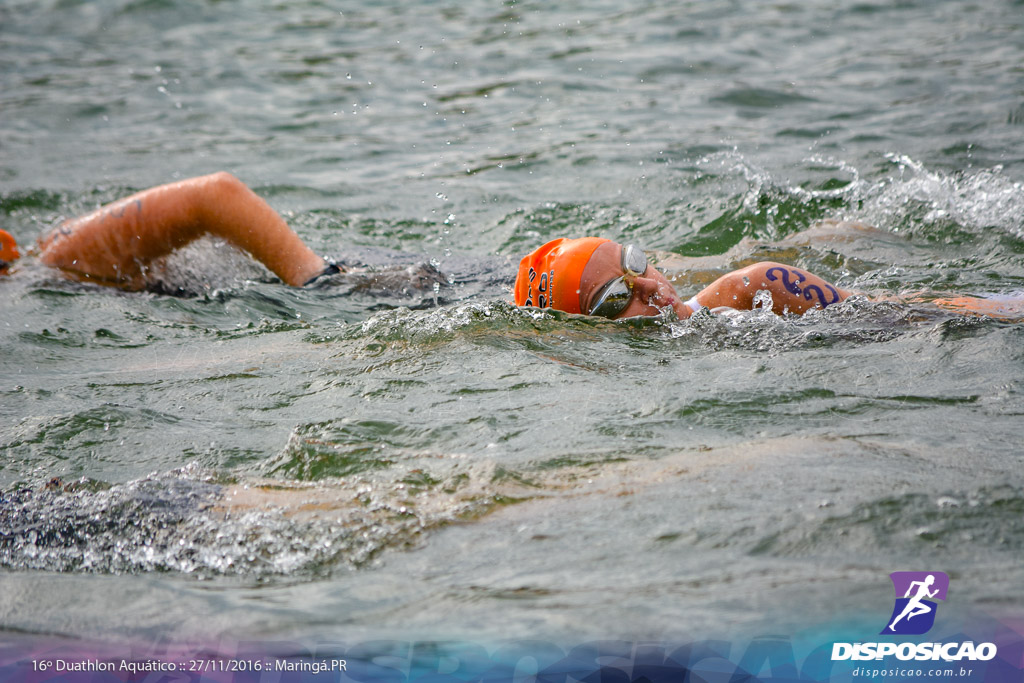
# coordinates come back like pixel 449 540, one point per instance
pixel 918 590
pixel 915 607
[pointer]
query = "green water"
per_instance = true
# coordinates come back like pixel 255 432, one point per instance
pixel 254 460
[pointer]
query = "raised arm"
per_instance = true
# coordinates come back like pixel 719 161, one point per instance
pixel 791 288
pixel 115 244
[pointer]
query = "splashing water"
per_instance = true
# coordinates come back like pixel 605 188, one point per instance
pixel 976 200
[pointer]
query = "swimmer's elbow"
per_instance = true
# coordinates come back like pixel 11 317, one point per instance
pixel 217 201
pixel 224 183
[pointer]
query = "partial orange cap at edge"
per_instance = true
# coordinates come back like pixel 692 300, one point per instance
pixel 8 248
pixel 549 277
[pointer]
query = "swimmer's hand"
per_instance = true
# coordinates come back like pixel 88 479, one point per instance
pixel 332 267
pixel 386 280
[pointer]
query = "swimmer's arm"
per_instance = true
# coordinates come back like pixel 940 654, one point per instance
pixel 792 289
pixel 115 243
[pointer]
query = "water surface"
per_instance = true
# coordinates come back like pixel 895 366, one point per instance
pixel 254 460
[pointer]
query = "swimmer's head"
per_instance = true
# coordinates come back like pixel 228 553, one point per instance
pixel 8 251
pixel 597 277
pixel 550 276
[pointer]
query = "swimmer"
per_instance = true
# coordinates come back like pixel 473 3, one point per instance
pixel 117 244
pixel 595 276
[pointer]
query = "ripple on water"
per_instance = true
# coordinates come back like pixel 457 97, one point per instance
pixel 911 526
pixel 192 522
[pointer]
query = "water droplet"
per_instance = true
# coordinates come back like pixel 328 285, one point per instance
pixel 762 299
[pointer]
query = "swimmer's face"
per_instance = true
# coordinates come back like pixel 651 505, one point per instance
pixel 651 291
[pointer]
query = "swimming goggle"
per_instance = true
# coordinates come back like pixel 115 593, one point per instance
pixel 615 295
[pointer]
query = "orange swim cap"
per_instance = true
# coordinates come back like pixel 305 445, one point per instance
pixel 8 250
pixel 550 276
